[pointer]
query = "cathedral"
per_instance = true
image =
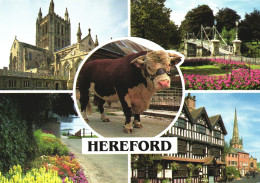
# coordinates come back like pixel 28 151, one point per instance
pixel 53 53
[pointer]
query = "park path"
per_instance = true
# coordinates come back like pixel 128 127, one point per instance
pixel 99 168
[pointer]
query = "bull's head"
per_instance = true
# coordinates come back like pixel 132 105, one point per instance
pixel 156 66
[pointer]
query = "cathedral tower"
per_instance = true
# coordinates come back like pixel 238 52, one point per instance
pixel 52 31
pixel 235 141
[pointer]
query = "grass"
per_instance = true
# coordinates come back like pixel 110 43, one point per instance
pixel 204 70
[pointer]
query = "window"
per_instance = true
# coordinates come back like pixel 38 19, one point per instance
pixel 182 146
pixel 30 56
pixel 199 149
pixel 38 84
pixel 12 83
pixel 26 84
pixel 181 123
pixel 217 134
pixel 201 129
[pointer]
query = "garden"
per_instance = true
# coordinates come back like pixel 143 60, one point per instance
pixel 28 155
pixel 53 163
pixel 220 74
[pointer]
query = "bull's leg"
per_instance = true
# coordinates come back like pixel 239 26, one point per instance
pixel 137 121
pixel 128 127
pixel 84 101
pixel 100 103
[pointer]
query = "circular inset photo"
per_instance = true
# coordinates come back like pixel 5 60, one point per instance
pixel 130 87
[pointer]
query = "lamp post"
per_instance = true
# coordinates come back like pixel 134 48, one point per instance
pixel 215 29
pixel 237 30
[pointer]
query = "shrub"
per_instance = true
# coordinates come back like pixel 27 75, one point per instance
pixel 17 143
pixel 48 144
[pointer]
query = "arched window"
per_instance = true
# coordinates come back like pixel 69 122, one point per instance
pixel 67 70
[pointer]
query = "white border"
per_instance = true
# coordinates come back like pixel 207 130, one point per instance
pixel 149 44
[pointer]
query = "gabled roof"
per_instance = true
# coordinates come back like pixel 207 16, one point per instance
pixel 214 120
pixel 187 112
pixel 240 151
pixel 196 113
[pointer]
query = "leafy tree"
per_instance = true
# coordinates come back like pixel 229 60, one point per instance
pixel 249 29
pixel 202 15
pixel 150 19
pixel 226 18
pixel 228 36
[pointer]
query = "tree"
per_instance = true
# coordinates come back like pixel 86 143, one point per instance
pixel 228 36
pixel 202 15
pixel 226 18
pixel 150 19
pixel 249 29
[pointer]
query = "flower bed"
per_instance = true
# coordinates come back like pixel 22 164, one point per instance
pixel 225 64
pixel 16 174
pixel 67 167
pixel 240 79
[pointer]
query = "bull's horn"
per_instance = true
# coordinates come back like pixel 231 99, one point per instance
pixel 175 59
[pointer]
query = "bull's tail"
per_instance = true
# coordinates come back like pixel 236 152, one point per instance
pixel 89 109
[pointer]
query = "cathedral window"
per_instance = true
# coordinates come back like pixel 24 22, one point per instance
pixel 30 56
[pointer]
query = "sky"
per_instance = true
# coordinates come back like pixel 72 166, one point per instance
pixel 181 7
pixel 105 18
pixel 248 115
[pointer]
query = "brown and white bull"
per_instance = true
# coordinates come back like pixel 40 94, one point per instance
pixel 132 79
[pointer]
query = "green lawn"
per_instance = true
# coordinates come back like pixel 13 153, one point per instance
pixel 209 70
pixel 203 70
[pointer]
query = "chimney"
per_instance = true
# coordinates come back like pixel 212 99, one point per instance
pixel 190 102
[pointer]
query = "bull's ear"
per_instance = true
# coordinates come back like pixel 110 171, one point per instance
pixel 175 59
pixel 139 61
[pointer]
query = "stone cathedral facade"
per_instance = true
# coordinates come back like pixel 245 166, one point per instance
pixel 52 55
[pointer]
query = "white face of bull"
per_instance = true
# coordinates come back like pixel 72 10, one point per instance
pixel 156 66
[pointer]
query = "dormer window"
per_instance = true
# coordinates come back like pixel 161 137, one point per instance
pixel 217 134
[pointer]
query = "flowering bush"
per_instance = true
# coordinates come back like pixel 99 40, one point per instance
pixel 228 64
pixel 48 144
pixel 66 166
pixel 240 79
pixel 41 175
pixel 225 64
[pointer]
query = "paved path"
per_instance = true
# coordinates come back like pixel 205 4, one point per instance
pixel 151 126
pixel 99 168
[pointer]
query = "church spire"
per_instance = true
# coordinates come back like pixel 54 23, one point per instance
pixel 51 7
pixel 235 138
pixel 40 14
pixel 66 15
pixel 79 34
pixel 96 42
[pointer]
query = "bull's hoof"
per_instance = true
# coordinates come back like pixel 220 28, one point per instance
pixel 128 128
pixel 137 124
pixel 128 131
pixel 86 120
pixel 105 120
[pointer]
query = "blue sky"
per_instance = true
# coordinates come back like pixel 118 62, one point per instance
pixel 181 7
pixel 248 115
pixel 106 18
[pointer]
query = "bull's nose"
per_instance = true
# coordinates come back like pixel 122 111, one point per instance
pixel 164 83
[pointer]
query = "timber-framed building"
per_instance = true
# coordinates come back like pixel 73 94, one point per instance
pixel 200 149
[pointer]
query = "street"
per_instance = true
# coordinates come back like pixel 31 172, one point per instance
pixel 99 168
